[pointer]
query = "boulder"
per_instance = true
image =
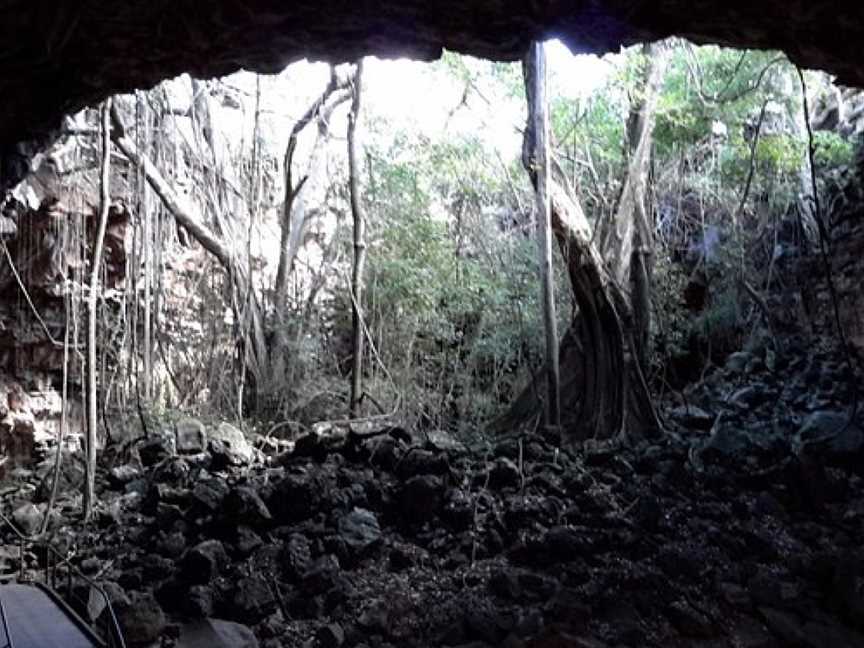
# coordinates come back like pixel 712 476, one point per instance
pixel 71 477
pixel 458 510
pixel 693 417
pixel 751 396
pixel 141 619
pixel 330 636
pixel 172 545
pixel 228 447
pixel 24 440
pixel 728 441
pixel 821 424
pixel 737 362
pixel 300 495
pixel 28 518
pixel 216 633
pixel 322 576
pixel 246 541
pixel 204 561
pixel 562 544
pixel 441 441
pixel 296 557
pixel 198 601
pixel 155 449
pixel 243 505
pixel 420 497
pixel 360 531
pixel 191 436
pixel 688 621
pixel 172 470
pixel 830 434
pixel 253 600
pixel 504 474
pixel 121 475
pixel 210 493
pixel 421 462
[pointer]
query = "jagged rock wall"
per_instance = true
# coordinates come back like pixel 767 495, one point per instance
pixel 58 57
pixel 43 262
pixel 840 110
pixel 30 411
pixel 801 297
pixel 847 262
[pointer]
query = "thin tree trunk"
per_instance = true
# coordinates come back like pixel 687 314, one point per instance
pixel 147 254
pixel 61 434
pixel 626 240
pixel 540 162
pixel 201 114
pixel 295 213
pixel 317 109
pixel 359 246
pixel 806 199
pixel 643 256
pixel 92 412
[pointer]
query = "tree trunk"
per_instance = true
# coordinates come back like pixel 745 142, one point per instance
pixel 806 198
pixel 627 239
pixel 202 116
pixel 294 209
pixel 144 123
pixel 320 109
pixel 359 246
pixel 604 394
pixel 540 164
pixel 89 494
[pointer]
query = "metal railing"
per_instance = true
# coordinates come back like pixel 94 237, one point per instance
pixel 94 612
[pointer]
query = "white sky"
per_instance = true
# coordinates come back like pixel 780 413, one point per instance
pixel 411 95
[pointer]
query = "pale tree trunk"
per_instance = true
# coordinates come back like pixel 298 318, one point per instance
pixel 539 162
pixel 147 254
pixel 627 239
pixel 89 494
pixel 806 198
pixel 202 116
pixel 295 210
pixel 359 218
pixel 604 394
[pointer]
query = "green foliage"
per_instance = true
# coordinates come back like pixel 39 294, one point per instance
pixel 451 283
pixel 780 154
pixel 413 268
pixel 721 319
pixel 709 84
pixel 832 150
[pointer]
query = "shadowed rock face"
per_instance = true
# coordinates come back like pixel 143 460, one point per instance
pixel 56 57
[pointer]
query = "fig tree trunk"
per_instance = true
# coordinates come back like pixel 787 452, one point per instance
pixel 603 390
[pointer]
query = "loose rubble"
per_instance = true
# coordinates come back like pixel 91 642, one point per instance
pixel 744 526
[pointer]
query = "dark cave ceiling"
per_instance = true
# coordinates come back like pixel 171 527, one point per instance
pixel 56 57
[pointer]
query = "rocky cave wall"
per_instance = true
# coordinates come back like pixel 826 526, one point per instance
pixel 48 265
pixel 58 57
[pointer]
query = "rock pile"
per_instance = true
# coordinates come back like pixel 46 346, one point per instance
pixel 743 527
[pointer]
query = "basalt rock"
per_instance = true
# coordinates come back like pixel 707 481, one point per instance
pixel 693 538
pixel 141 619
